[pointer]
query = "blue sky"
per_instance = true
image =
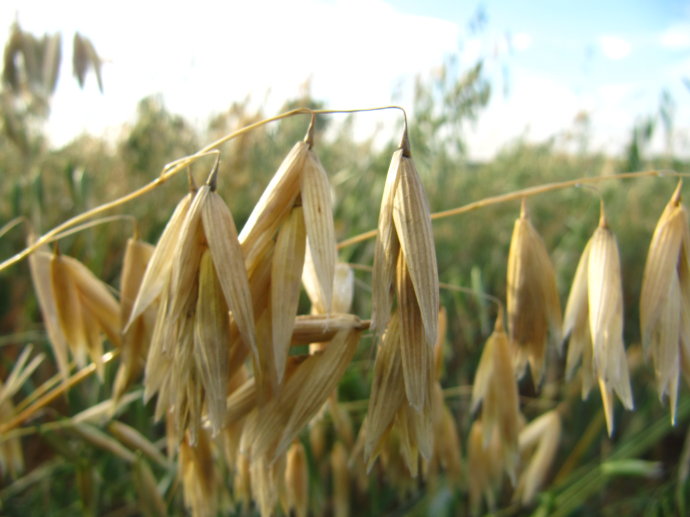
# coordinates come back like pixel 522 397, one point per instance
pixel 548 60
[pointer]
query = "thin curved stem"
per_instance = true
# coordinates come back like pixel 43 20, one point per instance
pixel 520 194
pixel 170 170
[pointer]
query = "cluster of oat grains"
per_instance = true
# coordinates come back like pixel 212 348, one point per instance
pixel 211 319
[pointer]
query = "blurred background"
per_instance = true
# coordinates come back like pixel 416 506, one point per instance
pixel 97 97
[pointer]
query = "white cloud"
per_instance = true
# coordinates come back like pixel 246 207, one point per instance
pixel 676 37
pixel 614 47
pixel 521 41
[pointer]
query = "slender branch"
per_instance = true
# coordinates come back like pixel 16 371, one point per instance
pixel 170 170
pixel 520 194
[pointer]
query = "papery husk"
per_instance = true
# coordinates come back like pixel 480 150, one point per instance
pixel 286 277
pixel 301 396
pixel 318 220
pixel 136 339
pixel 534 311
pixel 297 481
pixel 159 266
pixel 387 248
pixel 539 442
pixel 387 394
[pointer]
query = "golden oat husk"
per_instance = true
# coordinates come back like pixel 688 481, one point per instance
pixel 136 339
pixel 318 220
pixel 387 394
pixel 242 482
pixel 496 387
pixel 275 203
pixel 302 395
pixel 416 353
pixel 196 468
pixel 665 296
pixel 533 305
pixel 538 443
pixel 40 267
pixel 576 326
pixel 159 357
pixel 229 263
pixel 605 299
pixel 85 309
pixel 297 481
pixel 211 342
pixel 387 248
pixel 412 219
pixel 286 278
pixel 340 501
pixel 159 266
pixel 484 468
pixel 267 483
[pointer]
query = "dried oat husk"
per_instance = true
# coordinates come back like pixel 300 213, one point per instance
pixel 159 266
pixel 302 396
pixel 85 309
pixel 600 268
pixel 405 227
pixel 484 467
pixel 534 311
pixel 296 481
pixel 538 446
pixel 318 219
pixel 197 471
pixel 39 265
pixel 286 278
pixel 387 393
pixel 665 298
pixel 415 351
pixel 136 339
pixel 495 387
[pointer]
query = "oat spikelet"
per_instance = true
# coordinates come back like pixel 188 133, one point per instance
pixel 136 339
pixel 274 204
pixel 211 339
pixel 318 220
pixel 39 265
pixel 199 483
pixel 665 298
pixel 297 481
pixel 599 269
pixel 386 252
pixel 538 444
pixel 286 275
pixel 496 388
pixel 302 395
pixel 159 266
pixel 534 309
pixel 412 219
pixel 387 394
pixel 416 354
pixel 85 309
